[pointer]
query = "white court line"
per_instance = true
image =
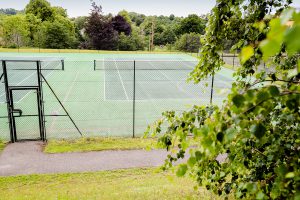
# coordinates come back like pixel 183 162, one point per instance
pixel 71 88
pixel 31 91
pixel 127 98
pixel 21 82
pixel 176 83
pixel 65 99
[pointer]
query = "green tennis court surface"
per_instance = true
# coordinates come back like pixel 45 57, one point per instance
pixel 101 100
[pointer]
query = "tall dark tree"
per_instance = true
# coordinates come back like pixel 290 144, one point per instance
pixel 121 25
pixel 100 30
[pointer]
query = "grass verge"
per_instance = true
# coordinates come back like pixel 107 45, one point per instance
pixel 2 145
pixel 144 184
pixel 97 144
pixel 36 50
pixel 229 67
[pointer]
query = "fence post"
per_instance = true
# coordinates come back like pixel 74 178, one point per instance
pixel 133 101
pixel 63 65
pixel 212 87
pixel 233 60
pixel 94 65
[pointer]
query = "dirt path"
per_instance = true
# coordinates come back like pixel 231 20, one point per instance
pixel 28 158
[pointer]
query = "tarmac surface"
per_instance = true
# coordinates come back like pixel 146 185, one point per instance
pixel 25 158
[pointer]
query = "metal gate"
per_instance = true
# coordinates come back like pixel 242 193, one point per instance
pixel 24 82
pixel 24 99
pixel 27 119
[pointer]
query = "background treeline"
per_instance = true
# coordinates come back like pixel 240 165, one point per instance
pixel 41 25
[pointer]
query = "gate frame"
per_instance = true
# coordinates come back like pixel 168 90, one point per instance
pixel 10 102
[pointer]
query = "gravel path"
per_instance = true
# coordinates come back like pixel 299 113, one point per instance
pixel 28 158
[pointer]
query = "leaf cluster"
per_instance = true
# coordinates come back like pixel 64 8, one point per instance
pixel 250 146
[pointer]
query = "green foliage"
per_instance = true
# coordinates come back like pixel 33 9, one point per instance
pixel 42 26
pixel 168 36
pixel 138 19
pixel 40 8
pixel 189 42
pixel 192 24
pixel 15 31
pixel 39 13
pixel 258 126
pixel 59 11
pixel 161 23
pixel 58 34
pixel 131 42
pixel 34 25
pixel 126 16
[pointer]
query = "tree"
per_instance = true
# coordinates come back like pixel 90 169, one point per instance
pixel 41 9
pixel 79 23
pixel 100 31
pixel 15 31
pixel 192 24
pixel 258 125
pixel 125 15
pixel 189 42
pixel 60 11
pixel 55 35
pixel 34 25
pixel 132 42
pixel 121 25
pixel 172 17
pixel 138 19
pixel 169 36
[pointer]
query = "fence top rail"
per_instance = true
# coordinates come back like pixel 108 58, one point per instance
pixel 111 60
pixel 237 55
pixel 11 60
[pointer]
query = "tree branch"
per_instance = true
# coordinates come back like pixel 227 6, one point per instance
pixel 277 80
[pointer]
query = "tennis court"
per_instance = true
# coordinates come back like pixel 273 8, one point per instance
pixel 106 95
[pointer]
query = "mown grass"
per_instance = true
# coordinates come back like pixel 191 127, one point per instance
pixel 144 184
pixel 36 50
pixel 98 144
pixel 229 67
pixel 2 145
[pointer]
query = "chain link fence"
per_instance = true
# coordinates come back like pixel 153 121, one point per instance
pixel 111 97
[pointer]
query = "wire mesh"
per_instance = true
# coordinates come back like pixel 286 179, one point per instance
pixel 233 61
pixel 120 98
pixel 4 127
pixel 153 64
pixel 27 121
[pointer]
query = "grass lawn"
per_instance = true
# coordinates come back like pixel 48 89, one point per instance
pixel 97 144
pixel 121 184
pixel 2 145
pixel 36 50
pixel 229 66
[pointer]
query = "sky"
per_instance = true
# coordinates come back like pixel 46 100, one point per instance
pixel 148 7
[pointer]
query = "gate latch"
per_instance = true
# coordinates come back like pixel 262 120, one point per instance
pixel 17 111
